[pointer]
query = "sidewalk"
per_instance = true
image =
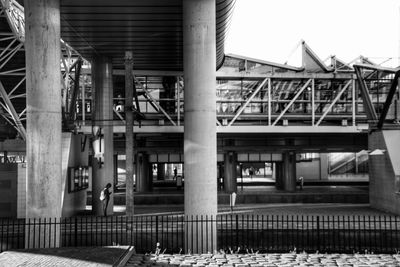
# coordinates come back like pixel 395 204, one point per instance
pixel 272 208
pixel 270 260
pixel 65 257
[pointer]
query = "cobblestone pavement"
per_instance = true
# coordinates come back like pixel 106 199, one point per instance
pixel 267 260
pixel 65 257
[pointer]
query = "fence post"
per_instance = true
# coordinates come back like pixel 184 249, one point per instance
pixel 318 228
pixel 76 231
pixel 157 230
pixel 237 230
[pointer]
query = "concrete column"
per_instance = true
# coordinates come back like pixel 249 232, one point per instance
pixel 278 175
pixel 230 176
pixel 200 144
pixel 289 171
pixel 144 182
pixel 160 171
pixel 129 139
pixel 43 96
pixel 323 157
pixel 103 114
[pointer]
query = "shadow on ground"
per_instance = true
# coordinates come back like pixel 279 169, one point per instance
pixel 79 256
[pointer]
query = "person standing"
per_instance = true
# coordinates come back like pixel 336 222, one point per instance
pixel 301 182
pixel 105 198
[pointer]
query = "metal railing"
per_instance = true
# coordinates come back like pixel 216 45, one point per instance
pixel 238 233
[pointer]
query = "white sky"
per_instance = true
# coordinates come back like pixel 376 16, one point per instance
pixel 271 29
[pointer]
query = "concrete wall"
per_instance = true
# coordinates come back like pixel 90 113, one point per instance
pixel 383 171
pixel 317 169
pixel 72 156
pixel 8 190
pixel 310 170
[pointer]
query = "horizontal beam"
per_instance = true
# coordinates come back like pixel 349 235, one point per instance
pixel 240 75
pixel 240 129
pixel 376 67
pixel 121 72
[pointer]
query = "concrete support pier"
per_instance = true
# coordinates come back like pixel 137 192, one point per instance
pixel 160 171
pixel 200 151
pixel 230 162
pixel 289 171
pixel 103 114
pixel 43 93
pixel 144 182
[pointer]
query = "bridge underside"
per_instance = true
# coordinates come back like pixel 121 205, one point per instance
pixel 264 111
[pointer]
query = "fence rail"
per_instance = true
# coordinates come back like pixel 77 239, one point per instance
pixel 239 233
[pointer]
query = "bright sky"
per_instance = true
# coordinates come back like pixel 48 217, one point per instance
pixel 271 29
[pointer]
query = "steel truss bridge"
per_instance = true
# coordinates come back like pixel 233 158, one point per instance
pixel 253 96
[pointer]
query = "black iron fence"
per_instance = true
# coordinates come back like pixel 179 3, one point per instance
pixel 237 233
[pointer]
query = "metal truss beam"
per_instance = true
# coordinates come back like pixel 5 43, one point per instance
pixel 292 101
pixel 8 56
pixel 152 100
pixel 248 101
pixel 239 129
pixel 13 72
pixel 376 67
pixel 389 99
pixel 333 102
pixel 119 115
pixel 75 90
pixel 16 86
pixel 368 106
pixel 12 111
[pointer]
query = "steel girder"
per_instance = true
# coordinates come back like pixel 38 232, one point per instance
pixel 12 67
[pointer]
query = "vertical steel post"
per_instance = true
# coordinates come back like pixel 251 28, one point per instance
pixel 353 102
pixel 129 142
pixel 269 102
pixel 178 95
pixel 313 102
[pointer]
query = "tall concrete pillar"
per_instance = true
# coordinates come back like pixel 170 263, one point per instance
pixel 43 96
pixel 43 89
pixel 230 175
pixel 200 144
pixel 103 116
pixel 144 182
pixel 289 171
pixel 323 157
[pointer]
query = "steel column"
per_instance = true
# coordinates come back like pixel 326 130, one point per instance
pixel 389 99
pixel 129 141
pixel 368 106
pixel 269 102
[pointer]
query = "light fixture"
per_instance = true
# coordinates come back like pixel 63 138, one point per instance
pixel 377 152
pixel 98 145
